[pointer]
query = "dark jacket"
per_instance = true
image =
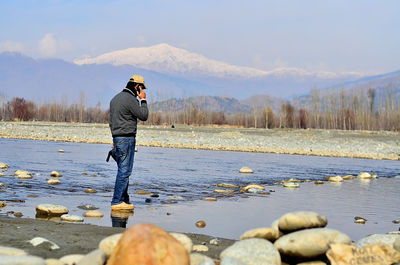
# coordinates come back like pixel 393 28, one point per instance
pixel 125 109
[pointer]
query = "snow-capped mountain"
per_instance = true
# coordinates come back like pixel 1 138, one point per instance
pixel 167 59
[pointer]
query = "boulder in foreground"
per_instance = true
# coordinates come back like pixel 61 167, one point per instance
pixel 51 210
pixel 148 244
pixel 294 221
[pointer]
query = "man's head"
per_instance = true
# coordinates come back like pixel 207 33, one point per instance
pixel 137 80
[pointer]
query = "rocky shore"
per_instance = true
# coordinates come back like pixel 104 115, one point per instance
pixel 335 143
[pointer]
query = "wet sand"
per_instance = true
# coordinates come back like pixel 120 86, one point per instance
pixel 335 143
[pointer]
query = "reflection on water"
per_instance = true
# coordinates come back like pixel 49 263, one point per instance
pixel 120 218
pixel 190 174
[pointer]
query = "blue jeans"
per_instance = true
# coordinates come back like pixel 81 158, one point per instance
pixel 124 148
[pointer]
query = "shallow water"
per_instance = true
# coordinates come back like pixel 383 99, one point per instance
pixel 190 174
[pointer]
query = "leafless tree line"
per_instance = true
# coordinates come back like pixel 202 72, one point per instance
pixel 335 109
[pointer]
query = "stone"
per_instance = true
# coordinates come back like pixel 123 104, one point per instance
pixel 373 254
pixel 8 251
pixel 53 181
pixel 310 243
pixel 215 241
pixel 184 240
pixel 200 248
pixel 175 197
pixel 71 218
pixel 72 259
pixel 201 224
pixel 200 259
pixel 227 185
pixel 318 182
pixel 231 261
pixel 396 221
pixel 396 244
pixel 55 174
pixel 51 210
pixel 109 243
pixel 23 174
pixel 61 151
pixel 88 207
pixel 364 175
pixel 294 221
pixel 4 165
pixel 3 204
pixel 22 260
pixel 252 251
pixel 267 233
pixel 18 214
pixel 53 262
pixel 223 191
pixel 348 177
pixel 335 179
pixel 148 244
pixel 246 170
pixel 143 192
pixel 291 185
pixel 40 240
pixel 96 257
pixel 93 214
pixel 90 190
pixel 210 199
pixel 388 239
pixel 359 220
pixel 253 186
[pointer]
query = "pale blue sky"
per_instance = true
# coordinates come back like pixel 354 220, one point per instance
pixel 333 35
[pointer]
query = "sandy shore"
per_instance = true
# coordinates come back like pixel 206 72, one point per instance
pixel 335 143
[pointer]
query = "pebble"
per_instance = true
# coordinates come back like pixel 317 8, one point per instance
pixel 294 221
pixel 18 214
pixel 253 251
pixel 267 233
pixel 3 204
pixel 72 259
pixel 184 240
pixel 142 192
pixel 160 247
pixel 88 207
pixel 23 174
pixel 71 218
pixel 200 259
pixel 8 251
pixel 310 243
pixel 90 190
pixel 53 181
pixel 227 185
pixel 201 224
pixel 318 182
pixel 61 151
pixel 246 170
pixel 51 209
pixel 223 191
pixel 215 242
pixel 365 175
pixel 55 174
pixel 348 177
pixel 4 165
pixel 210 199
pixel 109 243
pixel 93 214
pixel 175 197
pixel 359 220
pixel 22 260
pixel 335 179
pixel 96 257
pixel 387 239
pixel 396 221
pixel 32 196
pixel 200 248
pixel 291 185
pixel 37 241
pixel 253 186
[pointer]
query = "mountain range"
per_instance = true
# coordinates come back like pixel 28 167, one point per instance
pixel 169 72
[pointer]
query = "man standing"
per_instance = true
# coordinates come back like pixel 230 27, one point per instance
pixel 125 109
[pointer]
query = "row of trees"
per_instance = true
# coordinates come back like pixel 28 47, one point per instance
pixel 335 109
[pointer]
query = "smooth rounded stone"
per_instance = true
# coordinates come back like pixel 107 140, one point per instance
pixel 61 151
pixel 310 243
pixel 359 220
pixel 246 170
pixel 253 186
pixel 200 248
pixel 148 244
pixel 51 209
pixel 71 218
pixel 387 239
pixel 227 185
pixel 18 214
pixel 201 224
pixel 4 165
pixel 23 174
pixel 3 204
pixel 109 243
pixel 396 221
pixel 96 257
pixel 53 181
pixel 200 259
pixel 53 262
pixel 366 175
pixel 231 261
pixel 335 179
pixel 223 191
pixel 348 177
pixel 267 233
pixel 301 220
pixel 143 192
pixel 215 242
pixel 55 174
pixel 210 199
pixel 8 251
pixel 72 259
pixel 252 251
pixel 318 182
pixel 291 185
pixel 40 240
pixel 2 174
pixel 93 214
pixel 184 240
pixel 22 260
pixel 88 207
pixel 90 190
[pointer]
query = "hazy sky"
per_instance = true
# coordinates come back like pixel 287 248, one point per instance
pixel 333 35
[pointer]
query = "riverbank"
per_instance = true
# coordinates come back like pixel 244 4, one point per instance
pixel 333 143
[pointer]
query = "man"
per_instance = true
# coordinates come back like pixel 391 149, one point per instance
pixel 125 110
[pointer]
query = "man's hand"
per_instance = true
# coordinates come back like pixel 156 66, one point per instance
pixel 141 93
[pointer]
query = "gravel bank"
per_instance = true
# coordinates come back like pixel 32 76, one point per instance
pixel 357 144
